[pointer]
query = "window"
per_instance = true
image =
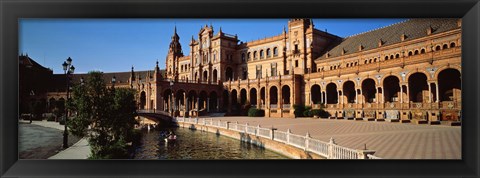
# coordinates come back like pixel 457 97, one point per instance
pixel 259 72
pixel 422 51
pixel 248 56
pixel 296 63
pixel 452 45
pixel 391 56
pixel 243 57
pixel 296 49
pixel 214 57
pixel 416 52
pixel 255 55
pixel 410 53
pixel 437 48
pixel 445 46
pixel 386 58
pixel 275 51
pixel 273 69
pixel 261 54
pixel 268 52
pixel 397 55
pixel 348 65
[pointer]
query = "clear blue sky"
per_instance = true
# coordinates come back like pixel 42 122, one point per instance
pixel 114 45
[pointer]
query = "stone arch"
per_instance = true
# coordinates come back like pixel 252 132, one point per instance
pixel 263 95
pixel 273 94
pixel 418 87
pixel 243 96
pixel 391 88
pixel 332 93
pixel 203 100
pixel 286 94
pixel 225 97
pixel 179 99
pixel 214 75
pixel 229 73
pixel 419 71
pixel 369 90
pixel 253 96
pixel 167 94
pixel 315 92
pixel 366 78
pixel 191 99
pixel 234 94
pixel 349 91
pixel 440 69
pixel 213 101
pixel 205 75
pixel 449 85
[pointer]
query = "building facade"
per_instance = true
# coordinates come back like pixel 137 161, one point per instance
pixel 406 71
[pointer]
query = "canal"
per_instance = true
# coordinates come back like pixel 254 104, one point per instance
pixel 192 144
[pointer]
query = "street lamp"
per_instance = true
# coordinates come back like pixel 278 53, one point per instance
pixel 68 69
pixel 171 96
pixel 114 79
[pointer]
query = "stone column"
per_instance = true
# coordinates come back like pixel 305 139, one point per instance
pixel 437 93
pixel 401 93
pixel 429 92
pixel 326 97
pixel 218 104
pixel 259 99
pixel 338 97
pixel 321 97
pixel 356 96
pixel 383 94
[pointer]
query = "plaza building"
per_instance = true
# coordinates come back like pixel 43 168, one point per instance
pixel 408 71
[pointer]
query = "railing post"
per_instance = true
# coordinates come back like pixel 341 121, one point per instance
pixel 246 128
pixel 363 154
pixel 257 132
pixel 236 125
pixel 228 125
pixel 272 132
pixel 307 141
pixel 330 148
pixel 288 136
pixel 196 120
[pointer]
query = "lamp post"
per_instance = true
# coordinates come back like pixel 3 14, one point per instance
pixel 68 69
pixel 114 79
pixel 171 96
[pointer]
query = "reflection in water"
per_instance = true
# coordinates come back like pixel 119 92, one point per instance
pixel 199 145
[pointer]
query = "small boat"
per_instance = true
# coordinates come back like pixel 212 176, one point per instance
pixel 171 138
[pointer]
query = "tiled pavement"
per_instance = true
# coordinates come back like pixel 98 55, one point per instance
pixel 390 140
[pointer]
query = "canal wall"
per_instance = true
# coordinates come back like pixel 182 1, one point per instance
pixel 282 148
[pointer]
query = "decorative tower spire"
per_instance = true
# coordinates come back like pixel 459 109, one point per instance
pixel 175 46
pixel 132 75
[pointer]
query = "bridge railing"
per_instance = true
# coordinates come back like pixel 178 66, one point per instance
pixel 329 150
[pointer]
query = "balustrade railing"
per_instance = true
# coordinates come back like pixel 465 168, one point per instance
pixel 329 150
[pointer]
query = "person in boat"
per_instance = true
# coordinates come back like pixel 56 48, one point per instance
pixel 171 135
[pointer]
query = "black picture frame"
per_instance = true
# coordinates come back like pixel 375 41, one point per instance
pixel 11 11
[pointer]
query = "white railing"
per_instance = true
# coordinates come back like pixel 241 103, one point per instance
pixel 264 132
pixel 280 136
pixel 340 152
pixel 329 150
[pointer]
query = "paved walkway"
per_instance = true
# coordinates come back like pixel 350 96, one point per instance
pixel 390 140
pixel 79 150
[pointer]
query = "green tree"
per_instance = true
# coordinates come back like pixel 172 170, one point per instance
pixel 110 114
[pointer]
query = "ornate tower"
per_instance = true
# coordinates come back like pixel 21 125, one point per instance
pixel 174 52
pixel 298 43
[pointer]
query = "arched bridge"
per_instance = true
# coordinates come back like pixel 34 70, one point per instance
pixel 161 117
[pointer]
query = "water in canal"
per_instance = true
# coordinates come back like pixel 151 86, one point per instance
pixel 199 145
